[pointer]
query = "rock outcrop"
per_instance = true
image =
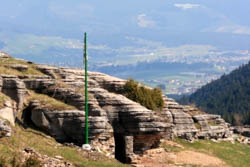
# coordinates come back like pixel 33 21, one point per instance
pixel 7 112
pixel 211 126
pixel 190 123
pixel 15 88
pixel 183 124
pixel 112 117
pixel 242 130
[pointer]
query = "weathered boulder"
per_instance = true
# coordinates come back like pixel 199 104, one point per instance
pixel 7 112
pixel 5 129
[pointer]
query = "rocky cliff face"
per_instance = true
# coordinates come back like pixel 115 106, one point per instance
pixel 112 117
pixel 190 123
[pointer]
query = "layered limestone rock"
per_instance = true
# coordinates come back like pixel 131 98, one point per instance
pixel 131 122
pixel 13 87
pixel 112 117
pixel 211 126
pixel 190 123
pixel 68 125
pixel 47 70
pixel 183 124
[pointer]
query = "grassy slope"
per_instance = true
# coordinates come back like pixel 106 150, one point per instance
pixel 235 155
pixel 29 138
pixel 3 98
pixel 49 102
pixel 11 61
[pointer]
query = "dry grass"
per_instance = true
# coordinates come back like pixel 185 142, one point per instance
pixel 48 102
pixel 59 84
pixel 234 155
pixel 3 99
pixel 13 146
pixel 4 69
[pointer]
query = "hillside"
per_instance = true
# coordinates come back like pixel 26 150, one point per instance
pixel 42 117
pixel 228 96
pixel 42 150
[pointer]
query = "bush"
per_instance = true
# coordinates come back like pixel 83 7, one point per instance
pixel 32 162
pixel 150 98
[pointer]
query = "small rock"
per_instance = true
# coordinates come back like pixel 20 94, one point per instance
pixel 214 140
pixel 86 147
pixel 59 157
pixel 5 129
pixel 19 67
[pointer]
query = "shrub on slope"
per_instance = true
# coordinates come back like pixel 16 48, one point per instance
pixel 150 98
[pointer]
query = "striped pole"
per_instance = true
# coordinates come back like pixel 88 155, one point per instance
pixel 86 89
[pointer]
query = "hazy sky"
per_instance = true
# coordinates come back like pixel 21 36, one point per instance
pixel 112 24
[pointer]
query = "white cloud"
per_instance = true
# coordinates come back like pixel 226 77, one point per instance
pixel 235 29
pixel 145 22
pixel 186 6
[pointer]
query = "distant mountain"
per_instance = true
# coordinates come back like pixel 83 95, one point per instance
pixel 228 96
pixel 153 42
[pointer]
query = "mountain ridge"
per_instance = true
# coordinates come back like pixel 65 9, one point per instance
pixel 228 96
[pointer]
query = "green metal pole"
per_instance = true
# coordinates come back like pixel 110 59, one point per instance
pixel 86 89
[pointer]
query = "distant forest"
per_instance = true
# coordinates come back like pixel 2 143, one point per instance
pixel 228 96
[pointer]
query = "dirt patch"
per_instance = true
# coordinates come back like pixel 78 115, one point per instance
pixel 161 158
pixel 196 158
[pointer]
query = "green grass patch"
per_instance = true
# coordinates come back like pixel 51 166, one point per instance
pixel 48 102
pixel 235 155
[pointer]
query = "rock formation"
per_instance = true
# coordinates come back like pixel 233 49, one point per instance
pixel 112 117
pixel 190 123
pixel 7 112
pixel 242 130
